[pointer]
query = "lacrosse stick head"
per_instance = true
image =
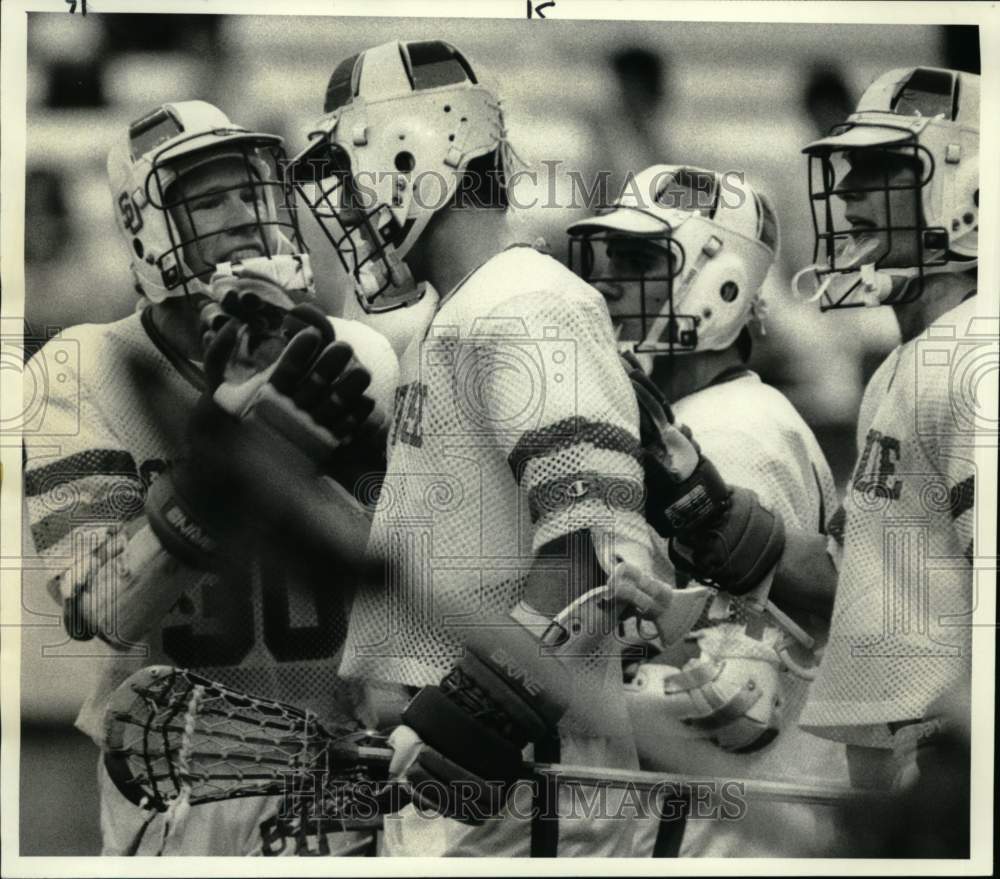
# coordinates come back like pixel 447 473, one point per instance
pixel 173 737
pixel 169 732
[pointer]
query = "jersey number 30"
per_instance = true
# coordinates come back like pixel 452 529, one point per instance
pixel 225 630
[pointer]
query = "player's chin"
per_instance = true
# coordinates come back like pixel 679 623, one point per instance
pixel 627 329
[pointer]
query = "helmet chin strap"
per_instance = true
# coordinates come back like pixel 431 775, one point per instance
pixel 286 267
pixel 376 278
pixel 288 273
pixel 860 279
pixel 388 275
pixel 867 284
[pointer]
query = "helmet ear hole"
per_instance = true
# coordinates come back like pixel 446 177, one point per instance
pixel 405 162
pixel 137 247
pixel 729 291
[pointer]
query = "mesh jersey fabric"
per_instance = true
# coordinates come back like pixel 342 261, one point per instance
pixel 757 439
pixel 88 467
pixel 900 634
pixel 515 423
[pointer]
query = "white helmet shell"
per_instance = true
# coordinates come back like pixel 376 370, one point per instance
pixel 148 158
pixel 949 142
pixel 928 113
pixel 726 233
pixel 403 121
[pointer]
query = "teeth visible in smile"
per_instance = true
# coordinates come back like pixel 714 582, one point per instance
pixel 244 253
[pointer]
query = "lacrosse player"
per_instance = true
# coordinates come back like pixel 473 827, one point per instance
pixel 513 481
pixel 159 476
pixel 680 259
pixel 895 194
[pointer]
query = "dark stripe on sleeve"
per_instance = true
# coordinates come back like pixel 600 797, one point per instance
pixel 93 462
pixel 617 493
pixel 962 496
pixel 122 503
pixel 567 433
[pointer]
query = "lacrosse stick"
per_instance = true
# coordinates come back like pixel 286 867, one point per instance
pixel 174 739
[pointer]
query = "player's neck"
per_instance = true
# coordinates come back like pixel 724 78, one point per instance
pixel 455 242
pixel 940 295
pixel 688 373
pixel 177 322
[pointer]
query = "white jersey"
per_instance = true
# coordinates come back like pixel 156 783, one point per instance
pixel 900 634
pixel 515 424
pixel 88 467
pixel 757 440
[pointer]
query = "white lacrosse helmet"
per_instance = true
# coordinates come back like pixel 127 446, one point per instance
pixel 722 236
pixel 148 159
pixel 403 121
pixel 930 115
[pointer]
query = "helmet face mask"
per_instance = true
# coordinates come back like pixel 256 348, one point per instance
pixel 867 208
pixel 636 277
pixel 193 192
pixel 222 210
pixel 894 191
pixel 687 250
pixel 403 123
pixel 362 233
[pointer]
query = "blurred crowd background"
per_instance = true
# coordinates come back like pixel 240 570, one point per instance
pixel 592 95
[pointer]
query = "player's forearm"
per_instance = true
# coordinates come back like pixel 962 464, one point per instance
pixel 806 577
pixel 124 588
pixel 563 570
